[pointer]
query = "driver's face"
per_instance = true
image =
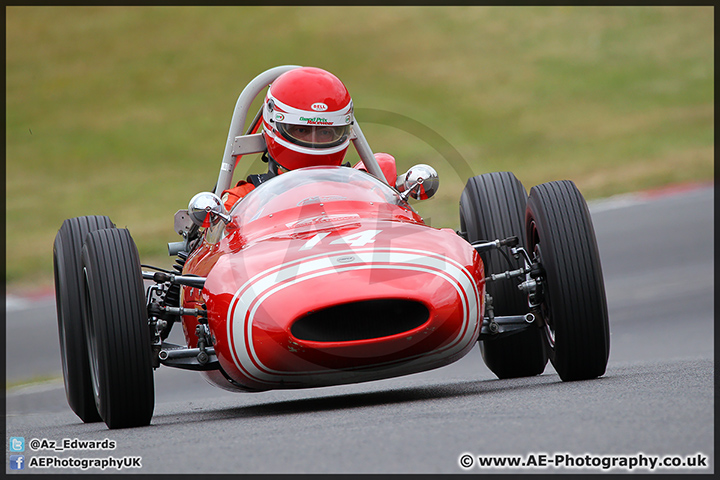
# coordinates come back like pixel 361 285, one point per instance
pixel 312 134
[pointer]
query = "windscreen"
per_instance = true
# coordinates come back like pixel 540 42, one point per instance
pixel 313 185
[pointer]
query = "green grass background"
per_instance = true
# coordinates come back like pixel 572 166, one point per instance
pixel 124 111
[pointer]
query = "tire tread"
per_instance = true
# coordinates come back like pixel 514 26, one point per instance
pixel 574 279
pixel 69 298
pixel 493 206
pixel 118 310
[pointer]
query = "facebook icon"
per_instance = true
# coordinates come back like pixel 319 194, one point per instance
pixel 17 462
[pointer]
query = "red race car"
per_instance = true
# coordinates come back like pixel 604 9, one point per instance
pixel 327 276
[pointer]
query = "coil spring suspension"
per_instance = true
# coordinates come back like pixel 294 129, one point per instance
pixel 172 297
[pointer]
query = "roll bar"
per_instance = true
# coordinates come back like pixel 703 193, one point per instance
pixel 243 144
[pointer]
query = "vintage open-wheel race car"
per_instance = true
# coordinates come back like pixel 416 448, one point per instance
pixel 327 276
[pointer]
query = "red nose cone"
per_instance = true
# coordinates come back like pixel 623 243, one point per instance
pixel 346 315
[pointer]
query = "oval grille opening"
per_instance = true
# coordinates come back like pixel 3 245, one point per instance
pixel 360 320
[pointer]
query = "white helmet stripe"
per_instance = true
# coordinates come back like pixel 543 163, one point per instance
pixel 285 108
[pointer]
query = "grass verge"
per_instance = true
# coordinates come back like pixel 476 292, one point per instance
pixel 123 111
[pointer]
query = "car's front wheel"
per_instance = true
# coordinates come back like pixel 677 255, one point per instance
pixel 492 206
pixel 116 327
pixel 561 237
pixel 69 292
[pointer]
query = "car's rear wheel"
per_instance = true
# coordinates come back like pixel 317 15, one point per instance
pixel 560 235
pixel 492 206
pixel 69 293
pixel 116 327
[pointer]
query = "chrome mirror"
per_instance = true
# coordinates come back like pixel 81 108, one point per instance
pixel 419 182
pixel 206 209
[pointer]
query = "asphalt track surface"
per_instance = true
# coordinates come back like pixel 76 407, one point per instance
pixel 655 401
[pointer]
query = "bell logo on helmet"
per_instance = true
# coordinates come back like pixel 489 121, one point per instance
pixel 319 107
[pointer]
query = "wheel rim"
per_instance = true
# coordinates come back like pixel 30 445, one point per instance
pixel 61 320
pixel 64 353
pixel 549 330
pixel 545 309
pixel 91 343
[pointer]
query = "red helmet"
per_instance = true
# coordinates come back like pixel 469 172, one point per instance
pixel 306 119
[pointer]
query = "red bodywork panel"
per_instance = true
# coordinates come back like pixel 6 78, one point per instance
pixel 326 284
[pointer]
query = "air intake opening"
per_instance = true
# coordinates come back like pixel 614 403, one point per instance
pixel 360 320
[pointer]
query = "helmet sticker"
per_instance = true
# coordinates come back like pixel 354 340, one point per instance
pixel 315 121
pixel 319 107
pixel 329 119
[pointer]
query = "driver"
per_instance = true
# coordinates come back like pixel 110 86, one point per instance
pixel 307 119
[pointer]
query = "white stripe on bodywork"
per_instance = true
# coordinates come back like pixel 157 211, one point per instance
pixel 250 296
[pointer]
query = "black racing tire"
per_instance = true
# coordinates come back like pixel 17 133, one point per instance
pixel 69 293
pixel 561 236
pixel 492 206
pixel 116 327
